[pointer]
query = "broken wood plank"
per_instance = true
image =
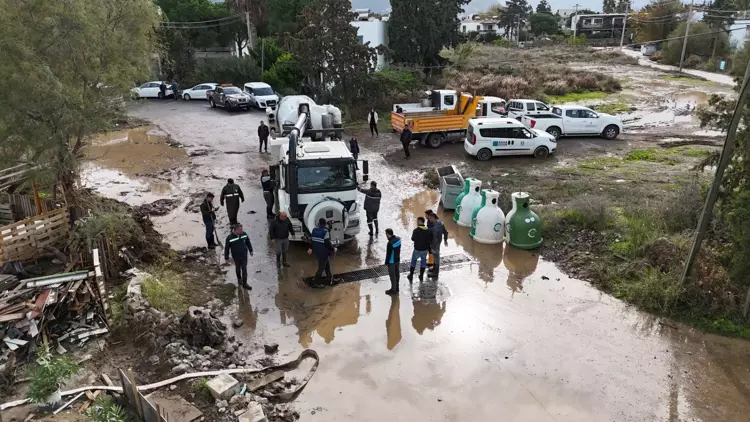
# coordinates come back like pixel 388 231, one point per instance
pixel 11 317
pixel 264 380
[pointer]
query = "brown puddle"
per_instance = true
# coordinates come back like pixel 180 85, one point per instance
pixel 135 152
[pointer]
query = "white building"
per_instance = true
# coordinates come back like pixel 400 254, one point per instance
pixel 740 30
pixel 564 15
pixel 373 30
pixel 477 24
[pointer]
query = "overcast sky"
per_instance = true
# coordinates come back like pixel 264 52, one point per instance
pixel 482 5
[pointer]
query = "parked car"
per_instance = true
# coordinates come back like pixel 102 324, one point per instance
pixel 518 108
pixel 575 121
pixel 489 137
pixel 228 96
pixel 198 92
pixel 261 95
pixel 151 90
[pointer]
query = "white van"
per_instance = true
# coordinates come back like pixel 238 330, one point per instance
pixel 486 138
pixel 518 108
pixel 261 94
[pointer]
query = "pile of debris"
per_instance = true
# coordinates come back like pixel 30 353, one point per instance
pixel 68 309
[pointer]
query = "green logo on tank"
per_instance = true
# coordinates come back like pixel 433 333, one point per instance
pixel 532 233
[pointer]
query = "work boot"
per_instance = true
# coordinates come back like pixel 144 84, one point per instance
pixel 434 273
pixel 377 230
pixel 284 261
pixel 391 292
pixel 410 277
pixel 246 286
pixel 421 274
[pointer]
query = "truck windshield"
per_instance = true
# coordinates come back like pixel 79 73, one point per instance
pixel 232 91
pixel 263 91
pixel 326 178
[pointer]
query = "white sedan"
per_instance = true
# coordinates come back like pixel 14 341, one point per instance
pixel 198 92
pixel 151 90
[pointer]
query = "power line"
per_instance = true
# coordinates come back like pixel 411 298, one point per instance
pixel 239 15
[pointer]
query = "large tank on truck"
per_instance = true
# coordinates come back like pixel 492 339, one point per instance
pixel 315 173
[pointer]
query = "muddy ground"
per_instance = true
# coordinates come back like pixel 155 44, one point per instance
pixel 506 334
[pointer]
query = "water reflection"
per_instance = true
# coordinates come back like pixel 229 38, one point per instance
pixel 393 323
pixel 520 264
pixel 429 306
pixel 245 311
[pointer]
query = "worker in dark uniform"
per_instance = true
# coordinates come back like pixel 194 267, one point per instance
pixel 354 149
pixel 372 205
pixel 268 185
pixel 163 90
pixel 279 231
pixel 393 260
pixel 233 194
pixel 421 237
pixel 323 249
pixel 263 133
pixel 430 258
pixel 239 244
pixel 406 140
pixel 438 236
pixel 209 219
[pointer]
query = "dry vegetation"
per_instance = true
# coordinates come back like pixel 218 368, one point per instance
pixel 533 73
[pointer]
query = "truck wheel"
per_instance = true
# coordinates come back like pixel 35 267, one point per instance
pixel 610 132
pixel 541 152
pixel 435 140
pixel 484 154
pixel 554 131
pixel 211 101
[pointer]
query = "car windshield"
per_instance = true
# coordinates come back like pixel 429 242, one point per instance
pixel 231 91
pixel 263 91
pixel 326 177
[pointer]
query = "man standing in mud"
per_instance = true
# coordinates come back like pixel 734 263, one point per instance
pixel 209 218
pixel 233 194
pixel 421 238
pixel 438 235
pixel 263 133
pixel 406 140
pixel 279 231
pixel 268 184
pixel 392 260
pixel 239 244
pixel 372 205
pixel 323 249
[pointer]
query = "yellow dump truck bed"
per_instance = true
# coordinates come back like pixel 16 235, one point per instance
pixel 430 123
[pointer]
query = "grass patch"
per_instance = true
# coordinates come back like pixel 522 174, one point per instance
pixel 226 293
pixel 612 108
pixel 576 97
pixel 199 386
pixel 167 290
pixel 601 163
pixel 656 156
pixel 686 80
pixel 690 151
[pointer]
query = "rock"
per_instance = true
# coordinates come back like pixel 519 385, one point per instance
pixel 232 366
pixel 201 328
pixel 172 387
pixel 181 368
pixel 237 323
pixel 173 348
pixel 221 404
pixel 271 348
pixel 174 361
pixel 223 386
pixel 154 360
pixel 254 413
pixel 207 350
pixel 236 399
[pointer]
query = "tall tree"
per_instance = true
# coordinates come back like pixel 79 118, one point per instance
pixel 329 51
pixel 658 19
pixel 421 43
pixel 623 6
pixel 608 6
pixel 719 16
pixel 516 15
pixel 257 12
pixel 65 63
pixel 544 24
pixel 286 16
pixel 544 7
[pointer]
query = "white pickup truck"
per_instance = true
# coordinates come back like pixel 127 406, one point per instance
pixel 575 121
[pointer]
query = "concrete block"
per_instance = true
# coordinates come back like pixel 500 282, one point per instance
pixel 254 413
pixel 223 387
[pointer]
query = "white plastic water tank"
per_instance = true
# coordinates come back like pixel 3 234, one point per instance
pixel 489 224
pixel 470 202
pixel 513 198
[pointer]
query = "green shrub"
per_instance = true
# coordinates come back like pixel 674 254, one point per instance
pixel 166 290
pixel 234 70
pixel 105 409
pixel 285 75
pixel 49 374
pixel 501 42
pixel 587 212
pixel 653 290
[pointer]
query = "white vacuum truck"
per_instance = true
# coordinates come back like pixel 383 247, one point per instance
pixel 315 174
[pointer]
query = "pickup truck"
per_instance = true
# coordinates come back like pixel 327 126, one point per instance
pixel 575 121
pixel 229 97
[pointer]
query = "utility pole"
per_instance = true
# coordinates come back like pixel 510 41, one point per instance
pixel 687 31
pixel 262 57
pixel 249 32
pixel 573 18
pixel 624 24
pixel 713 193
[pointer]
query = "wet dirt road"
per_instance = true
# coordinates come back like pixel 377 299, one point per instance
pixel 505 337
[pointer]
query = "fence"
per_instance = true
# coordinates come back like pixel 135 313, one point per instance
pixel 13 175
pixel 26 239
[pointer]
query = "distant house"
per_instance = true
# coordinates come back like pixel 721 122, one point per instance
pixel 479 25
pixel 740 30
pixel 597 23
pixel 564 14
pixel 373 29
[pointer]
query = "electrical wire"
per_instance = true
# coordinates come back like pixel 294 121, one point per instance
pixel 239 15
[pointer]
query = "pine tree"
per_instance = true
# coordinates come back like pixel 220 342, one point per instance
pixel 544 7
pixel 623 6
pixel 608 6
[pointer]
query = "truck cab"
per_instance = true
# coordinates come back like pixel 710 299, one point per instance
pixel 435 100
pixel 492 107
